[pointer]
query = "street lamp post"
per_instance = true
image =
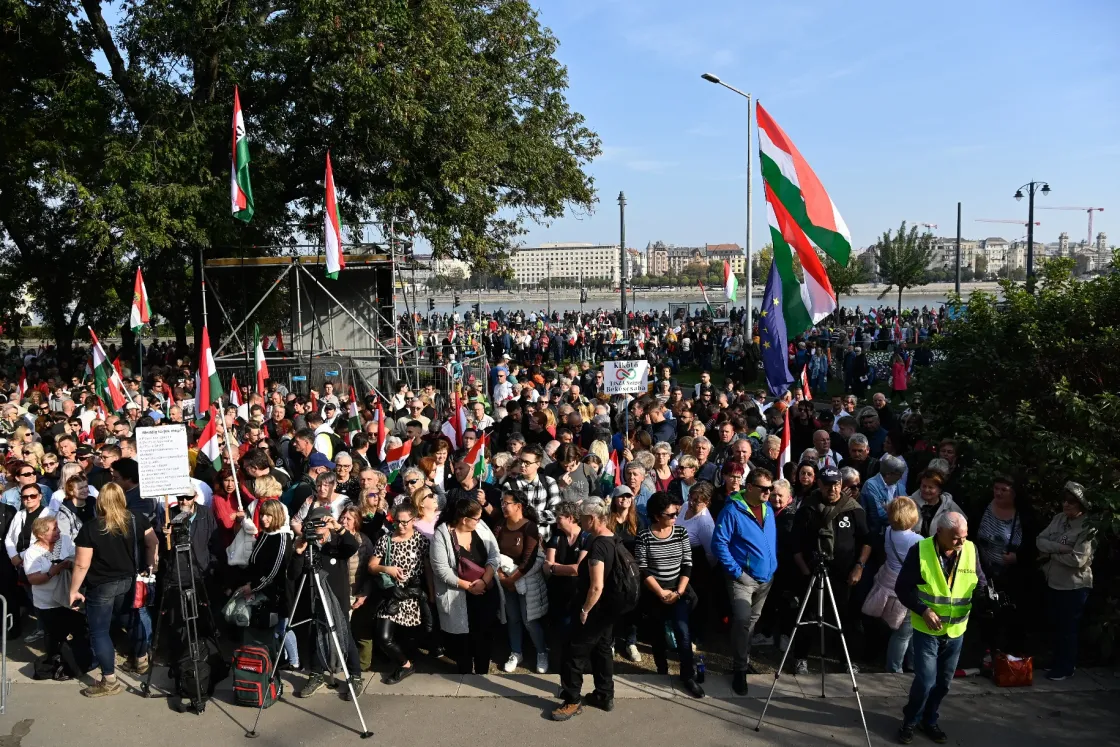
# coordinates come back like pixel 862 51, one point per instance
pixel 622 259
pixel 1031 187
pixel 750 180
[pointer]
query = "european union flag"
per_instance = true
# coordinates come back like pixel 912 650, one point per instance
pixel 772 336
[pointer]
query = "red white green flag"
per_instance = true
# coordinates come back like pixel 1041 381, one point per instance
pixel 394 459
pixel 208 441
pixel 476 457
pixel 353 419
pixel 261 365
pixel 332 227
pixel 209 386
pixel 382 433
pixel 802 219
pixel 235 398
pixel 784 457
pixel 456 424
pixel 22 386
pixel 706 301
pixel 108 382
pixel 730 282
pixel 240 192
pixel 141 312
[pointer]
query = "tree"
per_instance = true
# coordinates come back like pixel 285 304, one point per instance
pixel 454 110
pixel 981 266
pixel 845 279
pixel 1026 385
pixel 903 259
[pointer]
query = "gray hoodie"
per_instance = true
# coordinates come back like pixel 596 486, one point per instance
pixel 1066 548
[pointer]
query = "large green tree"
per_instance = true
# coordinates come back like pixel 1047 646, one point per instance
pixel 903 259
pixel 452 111
pixel 844 279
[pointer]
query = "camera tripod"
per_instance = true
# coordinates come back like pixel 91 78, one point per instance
pixel 819 584
pixel 188 609
pixel 317 595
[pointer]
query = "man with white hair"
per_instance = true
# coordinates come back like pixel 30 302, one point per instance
pixel 936 583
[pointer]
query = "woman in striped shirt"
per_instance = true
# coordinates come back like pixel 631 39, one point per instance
pixel 664 558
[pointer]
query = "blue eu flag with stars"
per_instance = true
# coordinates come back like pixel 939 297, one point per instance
pixel 772 335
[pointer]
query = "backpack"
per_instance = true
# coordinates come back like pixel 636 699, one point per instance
pixel 253 683
pixel 211 669
pixel 622 589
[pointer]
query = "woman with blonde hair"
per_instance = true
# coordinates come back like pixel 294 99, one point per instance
pixel 426 509
pixel 899 536
pixel 65 472
pixel 108 558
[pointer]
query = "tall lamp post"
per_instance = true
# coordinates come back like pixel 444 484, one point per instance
pixel 1031 188
pixel 750 179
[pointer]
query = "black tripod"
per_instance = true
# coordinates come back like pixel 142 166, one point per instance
pixel 317 595
pixel 188 594
pixel 819 584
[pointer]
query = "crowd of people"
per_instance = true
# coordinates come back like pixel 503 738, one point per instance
pixel 688 519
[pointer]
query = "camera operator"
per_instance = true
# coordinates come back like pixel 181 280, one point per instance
pixel 831 531
pixel 333 546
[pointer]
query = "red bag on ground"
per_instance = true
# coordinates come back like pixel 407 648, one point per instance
pixel 1011 671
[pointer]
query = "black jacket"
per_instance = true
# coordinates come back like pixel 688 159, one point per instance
pixel 333 559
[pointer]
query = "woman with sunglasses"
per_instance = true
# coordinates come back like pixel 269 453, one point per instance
pixel 426 510
pixel 403 558
pixel 664 559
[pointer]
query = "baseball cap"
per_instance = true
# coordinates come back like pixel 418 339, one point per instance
pixel 829 475
pixel 621 490
pixel 319 460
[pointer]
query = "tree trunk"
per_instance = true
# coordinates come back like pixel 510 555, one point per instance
pixel 900 303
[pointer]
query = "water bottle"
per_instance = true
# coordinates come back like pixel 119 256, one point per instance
pixel 700 669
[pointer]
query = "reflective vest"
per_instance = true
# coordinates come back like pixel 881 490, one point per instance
pixel 952 603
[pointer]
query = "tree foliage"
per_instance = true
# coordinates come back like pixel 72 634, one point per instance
pixel 845 279
pixel 452 110
pixel 903 259
pixel 1029 385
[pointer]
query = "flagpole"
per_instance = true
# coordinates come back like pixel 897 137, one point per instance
pixel 229 455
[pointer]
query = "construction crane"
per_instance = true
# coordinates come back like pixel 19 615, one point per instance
pixel 1089 210
pixel 996 220
pixel 928 226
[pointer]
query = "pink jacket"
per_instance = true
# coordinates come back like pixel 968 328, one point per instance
pixel 898 377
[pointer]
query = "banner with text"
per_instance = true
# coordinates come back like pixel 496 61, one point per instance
pixel 161 453
pixel 625 377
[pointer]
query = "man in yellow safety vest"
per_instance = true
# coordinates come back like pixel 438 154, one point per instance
pixel 936 583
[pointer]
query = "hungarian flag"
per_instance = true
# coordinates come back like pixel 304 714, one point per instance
pixel 802 219
pixel 897 329
pixel 784 457
pixel 353 420
pixel 611 468
pixel 117 366
pixel 141 311
pixel 235 398
pixel 22 386
pixel 730 282
pixel 240 193
pixel 456 424
pixel 476 457
pixel 382 433
pixel 209 387
pixel 278 343
pixel 805 383
pixel 108 382
pixel 261 364
pixel 707 303
pixel 208 442
pixel 332 227
pixel 395 459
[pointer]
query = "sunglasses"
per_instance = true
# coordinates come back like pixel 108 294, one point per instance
pixel 763 488
pixel 29 496
pixel 411 482
pixel 26 474
pixel 672 515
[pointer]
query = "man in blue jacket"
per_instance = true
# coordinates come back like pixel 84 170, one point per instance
pixel 745 544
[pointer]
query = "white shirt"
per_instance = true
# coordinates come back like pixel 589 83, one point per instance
pixel 36 559
pixel 700 529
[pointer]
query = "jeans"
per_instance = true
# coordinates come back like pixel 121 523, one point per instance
pixel 935 663
pixel 899 646
pixel 106 603
pixel 589 647
pixel 1066 607
pixel 516 617
pixel 291 650
pixel 747 600
pixel 676 615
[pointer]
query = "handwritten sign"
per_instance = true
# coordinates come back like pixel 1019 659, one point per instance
pixel 625 377
pixel 161 454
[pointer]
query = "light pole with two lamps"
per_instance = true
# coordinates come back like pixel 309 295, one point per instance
pixel 750 170
pixel 1031 188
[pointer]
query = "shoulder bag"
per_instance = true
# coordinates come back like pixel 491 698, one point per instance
pixel 384 580
pixel 144 591
pixel 465 568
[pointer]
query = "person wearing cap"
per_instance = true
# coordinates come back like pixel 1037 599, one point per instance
pixel 833 510
pixel 1066 550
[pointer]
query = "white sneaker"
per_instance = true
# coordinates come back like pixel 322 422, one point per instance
pixel 511 663
pixel 633 654
pixel 783 643
pixel 802 667
pixel 758 639
pixel 542 663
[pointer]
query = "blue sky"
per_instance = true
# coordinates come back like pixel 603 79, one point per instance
pixel 902 109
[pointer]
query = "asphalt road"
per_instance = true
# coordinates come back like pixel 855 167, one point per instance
pixel 495 711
